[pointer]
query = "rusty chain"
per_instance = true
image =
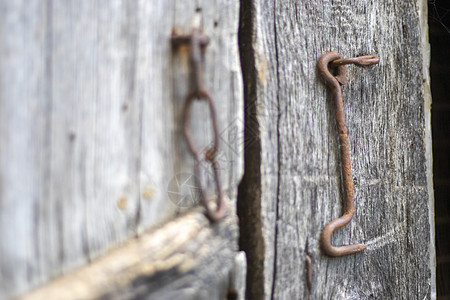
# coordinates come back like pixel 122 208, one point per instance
pixel 198 43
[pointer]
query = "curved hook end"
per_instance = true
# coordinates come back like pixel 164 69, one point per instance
pixel 325 239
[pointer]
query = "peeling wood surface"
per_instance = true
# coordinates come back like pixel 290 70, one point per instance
pixel 292 186
pixel 90 112
pixel 166 263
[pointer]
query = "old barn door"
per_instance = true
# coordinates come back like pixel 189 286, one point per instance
pixel 96 185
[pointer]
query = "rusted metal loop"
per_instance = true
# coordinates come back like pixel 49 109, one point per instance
pixel 210 153
pixel 220 211
pixel 334 82
pixel 340 78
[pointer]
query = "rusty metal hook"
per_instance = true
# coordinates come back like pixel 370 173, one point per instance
pixel 334 82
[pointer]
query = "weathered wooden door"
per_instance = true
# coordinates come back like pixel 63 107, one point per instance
pixel 91 96
pixel 97 198
pixel 293 188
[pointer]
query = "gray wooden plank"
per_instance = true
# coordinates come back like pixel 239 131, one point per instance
pixel 24 124
pixel 292 179
pixel 90 136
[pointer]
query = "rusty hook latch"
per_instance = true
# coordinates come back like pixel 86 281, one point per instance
pixel 334 82
pixel 198 42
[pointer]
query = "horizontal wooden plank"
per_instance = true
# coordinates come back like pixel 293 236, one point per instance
pixel 185 258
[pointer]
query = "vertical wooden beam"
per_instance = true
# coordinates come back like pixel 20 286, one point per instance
pixel 296 188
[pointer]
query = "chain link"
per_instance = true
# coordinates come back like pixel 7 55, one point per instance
pixel 198 43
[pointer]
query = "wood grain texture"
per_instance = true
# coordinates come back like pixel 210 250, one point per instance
pixel 165 263
pixel 90 111
pixel 292 174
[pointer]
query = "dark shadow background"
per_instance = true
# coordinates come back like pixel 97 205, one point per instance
pixel 439 26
